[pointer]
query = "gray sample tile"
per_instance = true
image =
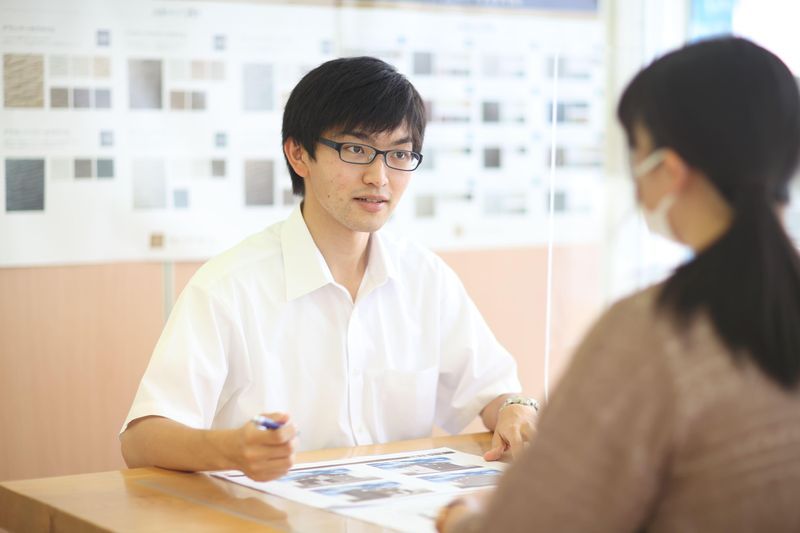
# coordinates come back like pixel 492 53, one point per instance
pixel 59 97
pixel 425 206
pixel 103 37
pixel 105 168
pixel 102 98
pixel 101 67
pixel 199 70
pixel 106 138
pixel 217 70
pixel 58 66
pixel 180 198
pixel 145 82
pixel 84 168
pixel 149 184
pixel 177 100
pixel 259 186
pixel 423 63
pixel 257 83
pixel 81 98
pixel 491 112
pixel 80 66
pixel 198 100
pixel 60 168
pixel 218 168
pixel 491 158
pixel 24 184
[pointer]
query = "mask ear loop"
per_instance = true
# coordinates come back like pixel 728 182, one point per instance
pixel 649 163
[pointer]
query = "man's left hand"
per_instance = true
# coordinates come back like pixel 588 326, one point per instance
pixel 514 430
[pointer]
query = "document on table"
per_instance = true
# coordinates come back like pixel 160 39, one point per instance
pixel 402 491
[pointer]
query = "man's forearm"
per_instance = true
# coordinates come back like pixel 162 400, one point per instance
pixel 158 441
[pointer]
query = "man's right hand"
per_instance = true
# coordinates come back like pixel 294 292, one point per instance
pixel 264 454
pixel 261 454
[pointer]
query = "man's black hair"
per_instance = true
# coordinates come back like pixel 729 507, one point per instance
pixel 362 94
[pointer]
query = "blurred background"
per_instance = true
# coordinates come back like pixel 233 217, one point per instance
pixel 138 139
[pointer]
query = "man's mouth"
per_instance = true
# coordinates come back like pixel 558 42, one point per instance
pixel 372 200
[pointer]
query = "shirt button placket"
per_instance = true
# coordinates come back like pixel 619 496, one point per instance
pixel 355 388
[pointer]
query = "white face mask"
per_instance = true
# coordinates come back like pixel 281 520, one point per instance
pixel 657 219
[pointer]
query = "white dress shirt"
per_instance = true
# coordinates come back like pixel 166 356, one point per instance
pixel 264 327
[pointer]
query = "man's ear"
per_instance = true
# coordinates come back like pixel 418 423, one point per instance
pixel 679 171
pixel 297 156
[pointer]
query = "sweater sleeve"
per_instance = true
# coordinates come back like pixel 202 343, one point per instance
pixel 603 441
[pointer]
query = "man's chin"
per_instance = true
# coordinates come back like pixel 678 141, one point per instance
pixel 368 228
pixel 370 225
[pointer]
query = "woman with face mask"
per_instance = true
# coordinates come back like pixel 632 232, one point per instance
pixel 680 411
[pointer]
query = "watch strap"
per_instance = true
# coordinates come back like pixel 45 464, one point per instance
pixel 520 400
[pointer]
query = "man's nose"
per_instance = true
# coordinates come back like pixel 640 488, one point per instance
pixel 377 173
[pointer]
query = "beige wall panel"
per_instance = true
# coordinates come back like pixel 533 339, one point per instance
pixel 183 272
pixel 74 342
pixel 509 288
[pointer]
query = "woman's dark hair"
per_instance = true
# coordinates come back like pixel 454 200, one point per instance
pixel 731 109
pixel 361 94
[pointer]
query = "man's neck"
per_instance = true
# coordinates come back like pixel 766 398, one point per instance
pixel 345 252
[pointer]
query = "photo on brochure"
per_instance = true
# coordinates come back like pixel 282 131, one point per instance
pixel 371 491
pixel 309 479
pixel 471 479
pixel 422 465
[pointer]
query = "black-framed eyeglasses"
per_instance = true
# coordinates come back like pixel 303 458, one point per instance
pixel 364 154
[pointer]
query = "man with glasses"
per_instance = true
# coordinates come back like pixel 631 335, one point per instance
pixel 363 337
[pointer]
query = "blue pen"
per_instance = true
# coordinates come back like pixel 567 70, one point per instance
pixel 264 422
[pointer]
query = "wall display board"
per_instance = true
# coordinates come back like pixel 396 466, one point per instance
pixel 150 130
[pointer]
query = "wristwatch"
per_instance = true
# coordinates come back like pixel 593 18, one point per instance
pixel 520 400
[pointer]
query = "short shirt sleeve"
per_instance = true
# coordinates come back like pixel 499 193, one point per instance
pixel 475 368
pixel 188 368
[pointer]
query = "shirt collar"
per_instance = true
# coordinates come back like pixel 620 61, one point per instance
pixel 306 270
pixel 304 267
pixel 380 267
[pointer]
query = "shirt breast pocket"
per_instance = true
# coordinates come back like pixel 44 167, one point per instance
pixel 400 405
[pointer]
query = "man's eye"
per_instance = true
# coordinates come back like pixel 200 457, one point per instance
pixel 401 155
pixel 354 149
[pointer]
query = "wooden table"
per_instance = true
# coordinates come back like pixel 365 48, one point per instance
pixel 157 500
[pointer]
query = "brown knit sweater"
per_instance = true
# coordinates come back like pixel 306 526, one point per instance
pixel 656 430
